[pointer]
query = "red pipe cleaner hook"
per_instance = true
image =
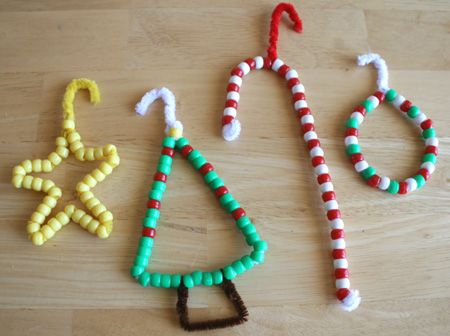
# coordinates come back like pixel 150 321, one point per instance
pixel 276 17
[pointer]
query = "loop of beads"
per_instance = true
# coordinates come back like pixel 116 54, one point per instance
pixel 101 222
pixel 149 224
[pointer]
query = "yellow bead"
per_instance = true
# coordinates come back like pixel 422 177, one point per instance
pixel 54 158
pixel 37 238
pixel 69 209
pixel 85 220
pixel 102 232
pixel 47 185
pixel 90 181
pixel 62 218
pixel 106 217
pixel 27 181
pixel 55 192
pixel 27 166
pixel 84 197
pixel 73 137
pixel 76 216
pixel 37 217
pixel 98 209
pixel 92 226
pixel 47 166
pixel 17 181
pixel 108 225
pixel 82 187
pixel 98 175
pixel 175 133
pixel 47 231
pixel 79 154
pixel 105 168
pixel 89 154
pixel 98 153
pixel 44 209
pixel 49 201
pixel 92 203
pixel 109 149
pixel 32 227
pixel 61 141
pixel 75 146
pixel 68 124
pixel 62 151
pixel 114 160
pixel 37 184
pixel 36 165
pixel 19 170
pixel 54 224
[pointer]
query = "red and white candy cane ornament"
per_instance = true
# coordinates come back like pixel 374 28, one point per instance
pixel 349 298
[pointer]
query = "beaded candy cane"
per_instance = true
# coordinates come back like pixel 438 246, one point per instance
pixel 349 299
pixel 219 277
pixel 101 222
pixel 411 112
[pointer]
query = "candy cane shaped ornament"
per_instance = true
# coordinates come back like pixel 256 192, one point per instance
pixel 220 277
pixel 411 112
pixel 349 299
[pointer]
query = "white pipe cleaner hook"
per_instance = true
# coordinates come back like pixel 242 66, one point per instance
pixel 380 65
pixel 174 127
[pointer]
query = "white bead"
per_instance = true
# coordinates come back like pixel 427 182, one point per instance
pixel 310 135
pixel 421 117
pixel 230 111
pixel 277 64
pixel 307 119
pixel 361 165
pixel 432 142
pixel 259 62
pixel 291 74
pixel 428 166
pixel 244 67
pixel 233 95
pixel 411 184
pixel 337 223
pixel 358 116
pixel 331 205
pixel 327 186
pixel 342 283
pixel 338 243
pixel 300 104
pixel 351 140
pixel 398 101
pixel 316 151
pixel 236 80
pixel 321 169
pixel 374 100
pixel 340 263
pixel 384 183
pixel 299 88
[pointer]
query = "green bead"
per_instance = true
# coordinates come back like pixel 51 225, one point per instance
pixel 144 279
pixel 156 195
pixel 252 238
pixel 165 169
pixel 194 155
pixel 429 133
pixel 368 172
pixel 231 206
pixel 136 270
pixel 188 281
pixel 238 267
pixel 218 182
pixel 211 176
pixel 257 256
pixel 229 273
pixel 155 280
pixel 225 199
pixel 141 260
pixel 394 186
pixel 413 112
pixel 217 277
pixel 420 180
pixel 352 123
pixel 175 280
pixel 181 142
pixel 168 142
pixel 197 277
pixel 368 105
pixel 152 213
pixel 159 186
pixel 247 262
pixel 198 162
pixel 207 279
pixel 146 242
pixel 144 251
pixel 248 229
pixel 260 245
pixel 165 160
pixel 243 222
pixel 429 157
pixel 165 280
pixel 353 149
pixel 149 222
pixel 390 95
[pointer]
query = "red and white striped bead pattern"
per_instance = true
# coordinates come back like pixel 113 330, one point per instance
pixel 350 299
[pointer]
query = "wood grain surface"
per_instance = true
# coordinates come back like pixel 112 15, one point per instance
pixel 398 246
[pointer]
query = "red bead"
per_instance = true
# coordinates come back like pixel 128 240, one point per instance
pixel 341 273
pixel 351 131
pixel 227 119
pixel 322 178
pixel 237 72
pixel 374 181
pixel 231 103
pixel 403 188
pixel 148 232
pixel 267 63
pixel 283 70
pixel 233 87
pixel 426 124
pixel 307 127
pixel 298 96
pixel 406 106
pixel 313 143
pixel 425 173
pixel 168 151
pixel 379 95
pixel 302 112
pixel 221 191
pixel 317 160
pixel 355 158
pixel 333 214
pixel 337 234
pixel 206 168
pixel 342 293
pixel 361 109
pixel 328 196
pixel 160 177
pixel 251 63
pixel 186 150
pixel 293 82
pixel 339 254
pixel 238 213
pixel 431 149
pixel 154 204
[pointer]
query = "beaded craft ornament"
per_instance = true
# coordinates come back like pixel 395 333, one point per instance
pixel 101 221
pixel 349 299
pixel 411 112
pixel 219 277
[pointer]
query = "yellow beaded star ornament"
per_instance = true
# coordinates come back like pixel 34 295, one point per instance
pixel 101 221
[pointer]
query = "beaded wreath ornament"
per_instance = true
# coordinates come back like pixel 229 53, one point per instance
pixel 349 299
pixel 101 221
pixel 411 112
pixel 219 277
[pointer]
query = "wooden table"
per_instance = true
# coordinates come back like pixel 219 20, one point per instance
pixel 398 247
